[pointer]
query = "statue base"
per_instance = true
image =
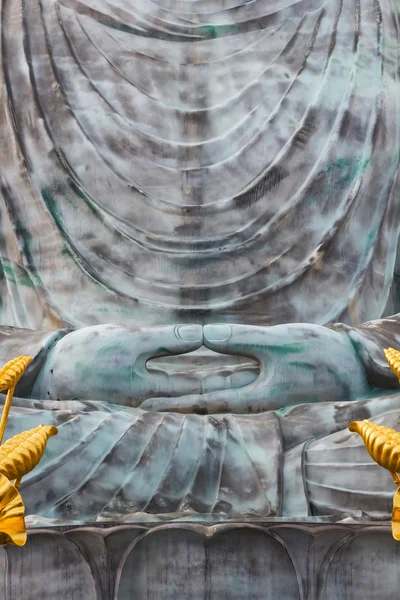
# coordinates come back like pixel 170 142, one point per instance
pixel 307 559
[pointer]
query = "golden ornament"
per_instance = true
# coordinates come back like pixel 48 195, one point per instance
pixel 18 456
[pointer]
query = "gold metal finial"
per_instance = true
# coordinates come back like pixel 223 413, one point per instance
pixel 383 445
pixel 10 374
pixel 393 358
pixel 18 456
pixel 12 512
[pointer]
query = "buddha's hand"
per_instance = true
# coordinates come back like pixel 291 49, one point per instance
pixel 299 363
pixel 108 362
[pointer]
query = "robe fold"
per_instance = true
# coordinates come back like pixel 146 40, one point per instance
pixel 111 462
pixel 194 162
pixel 239 162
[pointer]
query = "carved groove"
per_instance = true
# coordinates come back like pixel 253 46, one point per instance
pixel 236 561
pixel 182 143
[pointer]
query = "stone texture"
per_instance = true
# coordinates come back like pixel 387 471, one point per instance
pixel 238 162
pixel 234 561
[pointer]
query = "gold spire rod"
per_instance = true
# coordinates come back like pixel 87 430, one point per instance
pixel 383 445
pixel 10 374
pixel 18 456
pixel 393 359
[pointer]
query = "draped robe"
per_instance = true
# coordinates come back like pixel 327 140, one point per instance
pixel 173 161
pixel 213 160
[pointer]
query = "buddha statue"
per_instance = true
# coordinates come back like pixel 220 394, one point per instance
pixel 199 232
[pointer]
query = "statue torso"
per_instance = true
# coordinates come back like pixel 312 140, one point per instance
pixel 235 163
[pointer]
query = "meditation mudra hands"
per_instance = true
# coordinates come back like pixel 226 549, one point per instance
pixel 298 363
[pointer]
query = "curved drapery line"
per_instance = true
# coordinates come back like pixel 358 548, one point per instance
pixel 145 451
pixel 200 60
pixel 197 145
pixel 259 245
pixel 258 9
pixel 88 480
pixel 300 270
pixel 148 197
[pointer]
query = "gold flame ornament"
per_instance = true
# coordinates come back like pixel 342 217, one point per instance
pixel 383 444
pixel 21 453
pixel 10 374
pixel 18 456
pixel 12 512
pixel 393 359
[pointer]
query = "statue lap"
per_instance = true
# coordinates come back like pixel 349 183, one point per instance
pixel 117 463
pixel 199 215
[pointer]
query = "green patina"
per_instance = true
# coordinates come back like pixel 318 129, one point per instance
pixel 25 238
pixel 50 197
pixel 52 206
pixel 163 351
pixel 354 166
pixel 303 365
pixel 364 63
pixel 390 46
pixel 214 31
pixel 16 274
pixel 51 203
pixel 8 274
pixel 118 375
pixel 260 349
pixel 371 237
pixel 113 350
pixel 282 412
pixel 343 171
pixel 79 192
pixel 87 371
